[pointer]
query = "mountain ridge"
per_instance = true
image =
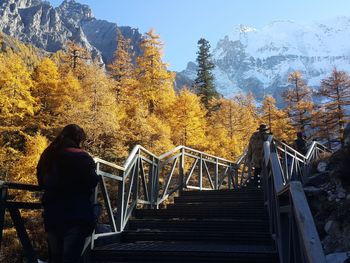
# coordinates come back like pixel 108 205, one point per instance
pixel 260 60
pixel 39 23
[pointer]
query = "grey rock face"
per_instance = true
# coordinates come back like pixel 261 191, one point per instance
pixel 38 23
pixel 328 199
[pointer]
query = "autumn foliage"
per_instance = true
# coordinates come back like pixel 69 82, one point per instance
pixel 132 102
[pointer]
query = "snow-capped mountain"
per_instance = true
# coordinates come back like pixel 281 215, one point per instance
pixel 260 60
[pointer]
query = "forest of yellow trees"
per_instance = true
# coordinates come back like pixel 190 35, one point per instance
pixel 130 103
pixel 134 102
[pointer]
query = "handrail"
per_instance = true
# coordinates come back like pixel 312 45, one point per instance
pixel 295 165
pixel 315 145
pixel 291 221
pixel 148 179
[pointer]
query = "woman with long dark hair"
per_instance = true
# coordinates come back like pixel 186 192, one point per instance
pixel 68 177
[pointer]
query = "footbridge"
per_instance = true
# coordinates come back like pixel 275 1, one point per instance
pixel 190 206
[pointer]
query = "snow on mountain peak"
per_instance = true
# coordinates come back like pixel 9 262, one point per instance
pixel 260 59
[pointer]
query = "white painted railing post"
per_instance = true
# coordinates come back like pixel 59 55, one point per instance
pixel 182 169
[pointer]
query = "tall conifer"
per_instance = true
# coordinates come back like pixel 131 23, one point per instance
pixel 204 83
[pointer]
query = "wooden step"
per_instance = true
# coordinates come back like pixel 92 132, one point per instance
pixel 172 252
pixel 199 225
pixel 182 213
pixel 209 236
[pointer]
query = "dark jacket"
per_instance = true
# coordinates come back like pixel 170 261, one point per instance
pixel 68 185
pixel 300 145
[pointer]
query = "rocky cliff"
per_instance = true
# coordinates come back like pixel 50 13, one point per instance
pixel 49 28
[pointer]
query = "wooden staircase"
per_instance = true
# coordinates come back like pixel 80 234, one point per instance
pixel 201 226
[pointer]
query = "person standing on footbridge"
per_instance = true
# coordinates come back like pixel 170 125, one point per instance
pixel 255 150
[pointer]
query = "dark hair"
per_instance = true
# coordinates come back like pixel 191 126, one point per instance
pixel 71 136
pixel 300 135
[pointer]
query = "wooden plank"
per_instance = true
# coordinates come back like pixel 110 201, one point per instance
pixel 311 241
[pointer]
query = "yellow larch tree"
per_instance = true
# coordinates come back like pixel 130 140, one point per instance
pixel 246 119
pixel 16 100
pixel 47 90
pixel 98 114
pixel 220 128
pixel 335 91
pixel 122 70
pixel 188 122
pixel 150 99
pixel 277 120
pixel 155 82
pixel 299 102
pixel 230 125
pixel 24 170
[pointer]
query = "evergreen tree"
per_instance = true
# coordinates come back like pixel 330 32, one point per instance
pixel 336 91
pixel 299 102
pixel 204 83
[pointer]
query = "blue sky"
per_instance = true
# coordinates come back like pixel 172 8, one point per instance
pixel 181 23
